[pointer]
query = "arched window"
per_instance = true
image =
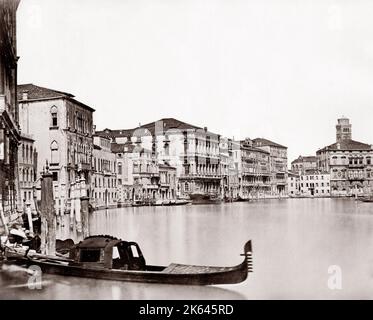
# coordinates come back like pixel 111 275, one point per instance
pixel 119 168
pixel 54 153
pixel 186 186
pixel 54 117
pixel 26 154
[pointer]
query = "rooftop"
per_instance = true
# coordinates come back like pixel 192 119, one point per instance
pixel 35 93
pixel 246 146
pixel 261 142
pixel 347 145
pixel 149 129
pixel 305 159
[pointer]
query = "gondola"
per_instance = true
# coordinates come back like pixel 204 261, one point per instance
pixel 370 199
pixel 109 258
pixel 201 198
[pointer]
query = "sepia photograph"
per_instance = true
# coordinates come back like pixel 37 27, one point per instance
pixel 202 150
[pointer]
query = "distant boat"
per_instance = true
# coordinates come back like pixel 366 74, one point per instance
pixel 203 198
pixel 241 199
pixel 171 203
pixel 366 199
pixel 109 258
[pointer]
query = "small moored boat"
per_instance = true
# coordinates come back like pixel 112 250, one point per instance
pixel 106 257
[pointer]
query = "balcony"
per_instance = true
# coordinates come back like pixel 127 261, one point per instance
pixel 84 166
pixel 201 176
pixel 107 173
pixel 351 175
pixel 356 165
pixel 26 184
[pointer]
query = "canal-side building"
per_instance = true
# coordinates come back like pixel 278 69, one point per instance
pixel 192 150
pixel 254 171
pixel 278 165
pixel 145 170
pixel 27 164
pixel 9 127
pixel 348 162
pixel 125 190
pixel 167 183
pixel 233 171
pixel 138 178
pixel 304 164
pixel 62 128
pixel 293 184
pixel 224 167
pixel 315 184
pixel 104 176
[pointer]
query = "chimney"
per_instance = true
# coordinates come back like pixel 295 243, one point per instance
pixel 25 95
pixel 205 128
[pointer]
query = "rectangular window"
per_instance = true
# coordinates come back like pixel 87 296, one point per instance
pixel 90 255
pixel 55 176
pixel 54 120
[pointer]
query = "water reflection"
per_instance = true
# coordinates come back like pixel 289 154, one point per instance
pixel 294 242
pixel 56 287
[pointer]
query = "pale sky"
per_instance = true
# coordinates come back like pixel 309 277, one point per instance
pixel 283 70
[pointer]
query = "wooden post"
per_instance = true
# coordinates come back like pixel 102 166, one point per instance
pixel 84 207
pixel 78 216
pixel 29 218
pixel 72 206
pixel 84 201
pixel 2 217
pixel 48 217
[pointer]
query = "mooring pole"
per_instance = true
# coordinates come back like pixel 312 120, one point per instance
pixel 2 217
pixel 84 207
pixel 48 217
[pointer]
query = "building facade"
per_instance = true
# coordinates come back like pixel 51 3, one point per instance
pixel 233 171
pixel 167 183
pixel 253 170
pixel 315 184
pixel 278 165
pixel 62 128
pixel 138 177
pixel 27 164
pixel 104 174
pixel 9 128
pixel 293 184
pixel 193 151
pixel 349 163
pixel 224 168
pixel 304 164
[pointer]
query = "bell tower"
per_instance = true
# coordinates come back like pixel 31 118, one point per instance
pixel 343 129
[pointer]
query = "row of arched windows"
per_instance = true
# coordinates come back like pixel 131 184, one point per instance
pixel 27 153
pixel 26 175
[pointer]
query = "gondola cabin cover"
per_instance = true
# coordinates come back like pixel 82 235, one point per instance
pixel 109 253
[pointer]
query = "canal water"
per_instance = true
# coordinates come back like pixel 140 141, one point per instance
pixel 296 243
